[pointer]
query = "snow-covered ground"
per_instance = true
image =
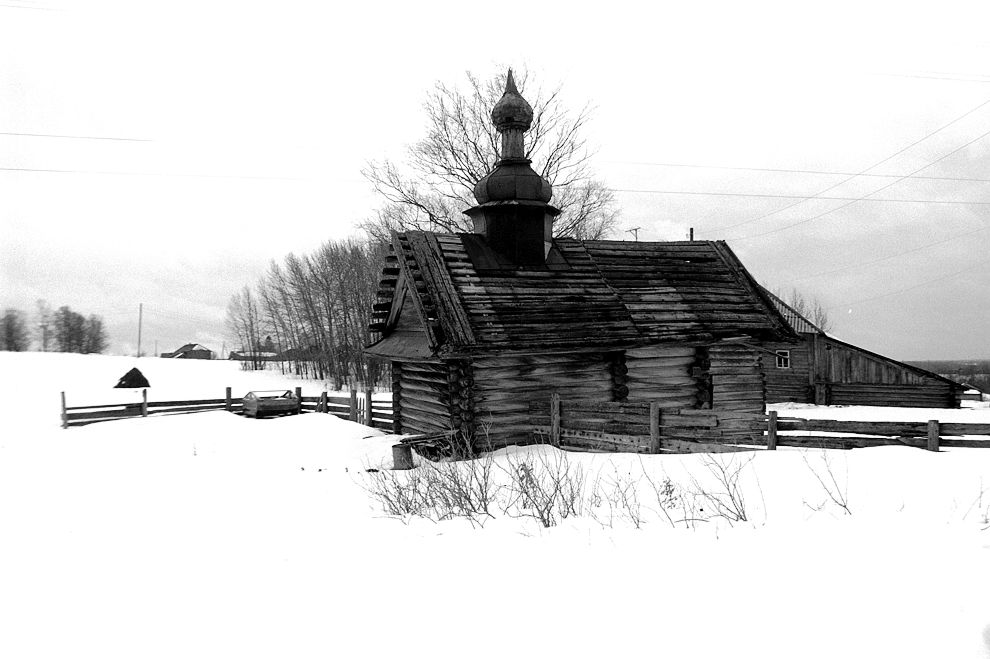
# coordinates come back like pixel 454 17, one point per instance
pixel 211 535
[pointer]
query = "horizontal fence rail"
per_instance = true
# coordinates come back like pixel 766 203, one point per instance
pixel 645 427
pixel 362 409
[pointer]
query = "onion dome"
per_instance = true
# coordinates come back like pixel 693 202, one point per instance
pixel 513 179
pixel 512 110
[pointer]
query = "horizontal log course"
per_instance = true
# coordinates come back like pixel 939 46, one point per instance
pixel 108 405
pixel 849 442
pixel 599 439
pixel 106 414
pixel 430 407
pixel 192 408
pixel 424 420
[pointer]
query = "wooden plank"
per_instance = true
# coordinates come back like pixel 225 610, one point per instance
pixel 105 414
pixel 655 440
pixel 205 401
pixel 772 431
pixel 555 419
pixel 932 444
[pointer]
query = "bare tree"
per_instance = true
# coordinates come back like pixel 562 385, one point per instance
pixel 810 308
pixel 94 336
pixel 14 334
pixel 244 321
pixel 435 185
pixel 317 307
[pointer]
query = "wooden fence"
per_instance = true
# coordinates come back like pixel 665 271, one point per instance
pixel 363 408
pixel 644 427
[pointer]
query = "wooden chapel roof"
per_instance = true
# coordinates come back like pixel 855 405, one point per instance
pixel 589 296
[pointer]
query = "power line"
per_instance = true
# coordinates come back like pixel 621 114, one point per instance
pixel 850 203
pixel 910 288
pixel 932 77
pixel 27 7
pixel 889 257
pixel 801 171
pixel 107 173
pixel 873 166
pixel 75 137
pixel 789 196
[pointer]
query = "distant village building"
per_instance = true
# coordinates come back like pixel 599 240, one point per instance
pixel 189 351
pixel 823 370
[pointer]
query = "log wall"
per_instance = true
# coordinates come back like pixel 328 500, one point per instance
pixel 423 397
pixel 852 376
pixel 663 374
pixel 505 386
pixel 788 384
pixel 738 391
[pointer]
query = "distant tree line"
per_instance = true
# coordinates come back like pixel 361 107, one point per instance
pixel 63 330
pixel 316 309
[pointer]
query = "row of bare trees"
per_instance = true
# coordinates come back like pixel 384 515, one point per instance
pixel 315 309
pixel 63 330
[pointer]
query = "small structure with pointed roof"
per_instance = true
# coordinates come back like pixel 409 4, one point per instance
pixel 478 325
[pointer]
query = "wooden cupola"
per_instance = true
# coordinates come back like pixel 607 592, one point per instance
pixel 513 212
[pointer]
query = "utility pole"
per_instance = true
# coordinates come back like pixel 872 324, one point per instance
pixel 691 233
pixel 140 321
pixel 635 232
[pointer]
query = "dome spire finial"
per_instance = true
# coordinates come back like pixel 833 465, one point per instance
pixel 512 117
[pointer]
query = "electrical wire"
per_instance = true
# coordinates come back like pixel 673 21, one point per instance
pixel 74 137
pixel 777 170
pixel 910 288
pixel 864 171
pixel 787 196
pixel 850 203
pixel 889 257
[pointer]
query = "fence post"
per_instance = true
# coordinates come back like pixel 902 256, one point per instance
pixel 323 403
pixel 367 407
pixel 353 411
pixel 555 419
pixel 298 400
pixel 933 437
pixel 228 399
pixel 772 431
pixel 654 427
pixel 144 402
pixel 65 417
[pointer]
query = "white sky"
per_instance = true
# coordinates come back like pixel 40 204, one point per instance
pixel 258 117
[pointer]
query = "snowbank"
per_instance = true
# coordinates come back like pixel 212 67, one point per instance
pixel 211 535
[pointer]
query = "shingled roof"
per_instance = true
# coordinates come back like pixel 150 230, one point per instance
pixel 588 296
pixel 796 321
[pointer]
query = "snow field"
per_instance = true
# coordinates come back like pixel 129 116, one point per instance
pixel 211 535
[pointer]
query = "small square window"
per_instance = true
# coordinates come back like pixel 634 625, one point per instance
pixel 783 358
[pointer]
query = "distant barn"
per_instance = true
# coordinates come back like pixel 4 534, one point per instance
pixel 823 370
pixel 479 325
pixel 189 351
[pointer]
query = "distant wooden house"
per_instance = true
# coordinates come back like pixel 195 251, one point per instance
pixel 478 325
pixel 190 351
pixel 823 370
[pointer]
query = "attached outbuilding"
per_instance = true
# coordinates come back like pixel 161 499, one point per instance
pixel 824 370
pixel 479 325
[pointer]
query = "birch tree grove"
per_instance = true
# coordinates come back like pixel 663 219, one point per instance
pixel 315 308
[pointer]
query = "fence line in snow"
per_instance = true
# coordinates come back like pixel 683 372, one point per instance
pixel 643 427
pixel 355 408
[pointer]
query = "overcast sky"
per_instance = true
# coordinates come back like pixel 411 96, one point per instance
pixel 239 131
